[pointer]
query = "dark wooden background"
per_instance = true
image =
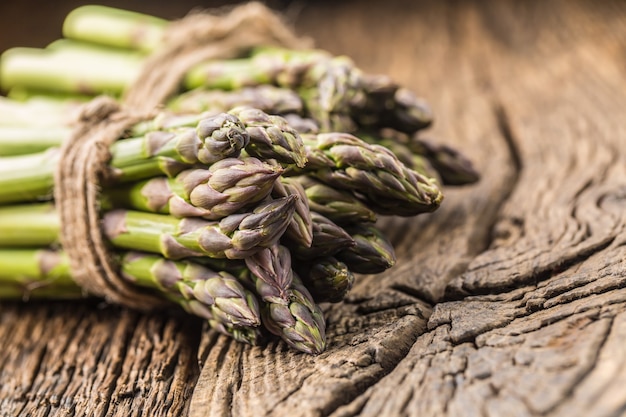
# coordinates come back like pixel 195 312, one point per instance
pixel 510 300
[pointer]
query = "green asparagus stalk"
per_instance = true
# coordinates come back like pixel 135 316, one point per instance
pixel 211 295
pixel 31 177
pixel 301 124
pixel 32 225
pixel 328 239
pixel 35 273
pixel 289 310
pixel 224 188
pixel 408 113
pixel 275 66
pixel 389 105
pixel 22 140
pixel 270 137
pixel 431 159
pixel 346 162
pixel 326 84
pixel 298 321
pixel 453 167
pixel 267 98
pixel 213 138
pixel 412 160
pixel 339 206
pixel 271 270
pixel 300 228
pixel 235 236
pixel 245 334
pixel 41 112
pixel 199 290
pixel 331 91
pixel 328 279
pixel 22 94
pixel 114 27
pixel 70 68
pixel 372 252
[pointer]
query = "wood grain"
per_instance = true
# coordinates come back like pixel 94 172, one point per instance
pixel 509 300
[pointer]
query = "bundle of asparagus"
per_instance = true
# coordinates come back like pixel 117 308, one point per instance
pixel 273 155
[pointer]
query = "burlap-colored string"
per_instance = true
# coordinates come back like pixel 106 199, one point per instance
pixel 85 154
pixel 81 167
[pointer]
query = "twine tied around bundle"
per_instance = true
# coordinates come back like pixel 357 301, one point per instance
pixel 85 155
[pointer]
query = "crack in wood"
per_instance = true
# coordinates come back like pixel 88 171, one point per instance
pixel 506 133
pixel 538 275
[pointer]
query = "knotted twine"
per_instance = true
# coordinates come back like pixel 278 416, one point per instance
pixel 84 156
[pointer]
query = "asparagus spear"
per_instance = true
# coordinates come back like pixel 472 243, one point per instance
pixel 224 188
pixel 326 84
pixel 36 273
pixel 328 239
pixel 453 167
pixel 267 98
pixel 300 228
pixel 70 68
pixel 215 296
pixel 302 124
pixel 235 236
pixel 31 176
pixel 440 161
pixel 340 206
pixel 298 320
pixel 169 136
pixel 245 334
pixel 199 290
pixel 50 112
pixel 389 105
pixel 22 140
pixel 328 279
pixel 289 310
pixel 276 66
pixel 114 27
pixel 387 185
pixel 408 113
pixel 331 91
pixel 270 137
pixel 32 225
pixel 412 160
pixel 372 252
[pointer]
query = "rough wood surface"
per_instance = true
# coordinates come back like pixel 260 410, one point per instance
pixel 510 300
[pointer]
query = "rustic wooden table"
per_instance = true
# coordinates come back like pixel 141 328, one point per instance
pixel 510 300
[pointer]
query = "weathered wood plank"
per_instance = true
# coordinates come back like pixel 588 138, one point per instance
pixel 91 359
pixel 561 111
